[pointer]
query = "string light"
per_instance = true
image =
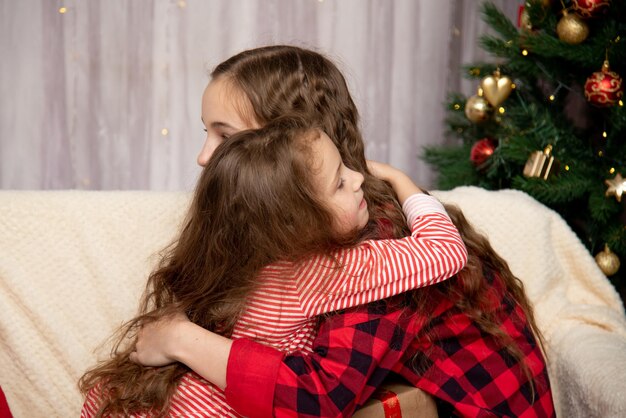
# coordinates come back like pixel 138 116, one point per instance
pixel 513 86
pixel 612 170
pixel 621 103
pixel 556 91
pixel 62 10
pixel 600 153
pixel 604 134
pixel 501 110
pixel 524 52
pixel 566 167
pixel 457 106
pixel 165 131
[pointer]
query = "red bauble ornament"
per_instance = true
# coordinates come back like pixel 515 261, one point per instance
pixel 604 88
pixel 481 151
pixel 590 8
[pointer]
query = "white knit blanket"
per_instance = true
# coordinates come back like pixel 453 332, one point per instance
pixel 73 264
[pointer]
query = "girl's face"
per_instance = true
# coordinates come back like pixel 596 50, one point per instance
pixel 338 186
pixel 224 111
pixel 223 107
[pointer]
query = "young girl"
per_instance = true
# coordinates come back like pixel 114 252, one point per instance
pixel 437 338
pixel 273 239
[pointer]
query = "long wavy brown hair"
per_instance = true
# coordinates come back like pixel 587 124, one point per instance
pixel 255 203
pixel 279 80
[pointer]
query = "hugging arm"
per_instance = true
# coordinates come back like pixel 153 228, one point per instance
pixel 353 353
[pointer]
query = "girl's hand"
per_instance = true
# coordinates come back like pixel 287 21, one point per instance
pixel 156 341
pixel 401 183
pixel 175 338
pixel 381 170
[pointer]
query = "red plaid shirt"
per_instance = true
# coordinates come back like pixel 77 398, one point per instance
pixel 466 371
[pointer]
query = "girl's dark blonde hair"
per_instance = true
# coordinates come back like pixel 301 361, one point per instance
pixel 280 80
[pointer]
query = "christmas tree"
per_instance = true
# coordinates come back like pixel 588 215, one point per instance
pixel 548 118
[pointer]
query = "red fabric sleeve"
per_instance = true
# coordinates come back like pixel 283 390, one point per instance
pixel 353 352
pixel 251 378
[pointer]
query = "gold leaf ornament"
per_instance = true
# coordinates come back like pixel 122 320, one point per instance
pixel 496 88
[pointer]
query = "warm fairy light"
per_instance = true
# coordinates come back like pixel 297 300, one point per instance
pixel 165 131
pixel 501 110
pixel 62 10
pixel 604 134
pixel 552 97
pixel 513 86
pixel 480 91
pixel 566 167
pixel 524 52
pixel 457 106
pixel 612 170
pixel 621 103
pixel 600 153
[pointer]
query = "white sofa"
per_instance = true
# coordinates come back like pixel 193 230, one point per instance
pixel 73 264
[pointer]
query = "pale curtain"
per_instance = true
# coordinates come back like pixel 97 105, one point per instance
pixel 107 94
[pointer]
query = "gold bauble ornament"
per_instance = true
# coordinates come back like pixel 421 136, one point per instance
pixel 572 29
pixel 477 109
pixel 607 261
pixel 496 88
pixel 617 187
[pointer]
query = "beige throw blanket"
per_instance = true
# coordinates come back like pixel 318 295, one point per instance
pixel 73 265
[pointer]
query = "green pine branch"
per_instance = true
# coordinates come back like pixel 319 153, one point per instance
pixel 548 108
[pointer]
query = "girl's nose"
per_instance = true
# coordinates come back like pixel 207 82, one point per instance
pixel 205 153
pixel 358 180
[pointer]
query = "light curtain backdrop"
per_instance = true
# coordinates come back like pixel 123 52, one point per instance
pixel 107 95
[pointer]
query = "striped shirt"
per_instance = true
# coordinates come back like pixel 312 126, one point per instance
pixel 282 310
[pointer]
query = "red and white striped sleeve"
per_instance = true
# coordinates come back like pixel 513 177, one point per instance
pixel 378 269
